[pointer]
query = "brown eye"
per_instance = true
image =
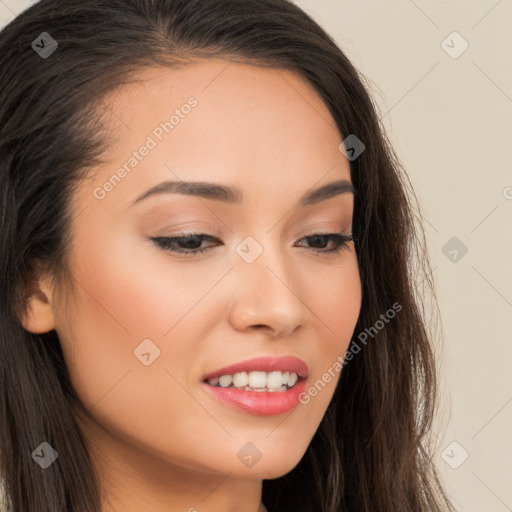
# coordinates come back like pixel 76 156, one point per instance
pixel 340 240
pixel 189 244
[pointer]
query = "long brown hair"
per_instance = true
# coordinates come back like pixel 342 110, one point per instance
pixel 371 451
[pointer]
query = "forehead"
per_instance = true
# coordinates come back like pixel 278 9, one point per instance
pixel 248 125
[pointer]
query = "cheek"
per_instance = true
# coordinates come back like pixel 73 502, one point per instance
pixel 131 290
pixel 131 302
pixel 335 301
pixel 118 305
pixel 334 296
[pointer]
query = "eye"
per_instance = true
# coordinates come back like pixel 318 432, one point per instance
pixel 340 241
pixel 190 245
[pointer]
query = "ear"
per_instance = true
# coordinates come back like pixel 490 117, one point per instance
pixel 40 316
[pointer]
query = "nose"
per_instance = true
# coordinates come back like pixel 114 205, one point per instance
pixel 268 295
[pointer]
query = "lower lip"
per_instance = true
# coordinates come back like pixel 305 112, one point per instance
pixel 261 403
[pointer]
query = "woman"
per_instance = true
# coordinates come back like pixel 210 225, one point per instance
pixel 207 299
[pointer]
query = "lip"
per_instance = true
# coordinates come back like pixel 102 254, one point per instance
pixel 260 403
pixel 264 364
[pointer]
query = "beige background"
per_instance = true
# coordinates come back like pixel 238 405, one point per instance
pixel 450 120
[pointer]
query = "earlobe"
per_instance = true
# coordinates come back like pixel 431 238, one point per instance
pixel 40 316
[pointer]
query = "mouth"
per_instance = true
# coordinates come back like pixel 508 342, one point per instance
pixel 261 386
pixel 272 374
pixel 257 381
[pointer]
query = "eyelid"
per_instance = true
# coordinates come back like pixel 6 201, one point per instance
pixel 203 228
pixel 190 229
pixel 213 234
pixel 325 227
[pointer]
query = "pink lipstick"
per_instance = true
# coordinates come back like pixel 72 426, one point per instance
pixel 261 386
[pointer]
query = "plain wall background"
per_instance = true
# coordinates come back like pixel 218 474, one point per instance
pixel 450 121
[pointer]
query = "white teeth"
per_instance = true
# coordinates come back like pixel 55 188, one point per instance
pixel 257 380
pixel 240 380
pixel 225 381
pixel 274 379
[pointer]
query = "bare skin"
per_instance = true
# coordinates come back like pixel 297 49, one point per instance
pixel 160 442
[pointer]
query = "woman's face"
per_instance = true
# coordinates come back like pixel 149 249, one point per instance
pixel 147 324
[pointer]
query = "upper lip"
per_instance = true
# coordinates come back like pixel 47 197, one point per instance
pixel 263 364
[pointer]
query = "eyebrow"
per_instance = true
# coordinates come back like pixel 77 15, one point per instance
pixel 233 195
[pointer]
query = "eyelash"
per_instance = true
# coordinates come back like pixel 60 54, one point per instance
pixel 341 240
